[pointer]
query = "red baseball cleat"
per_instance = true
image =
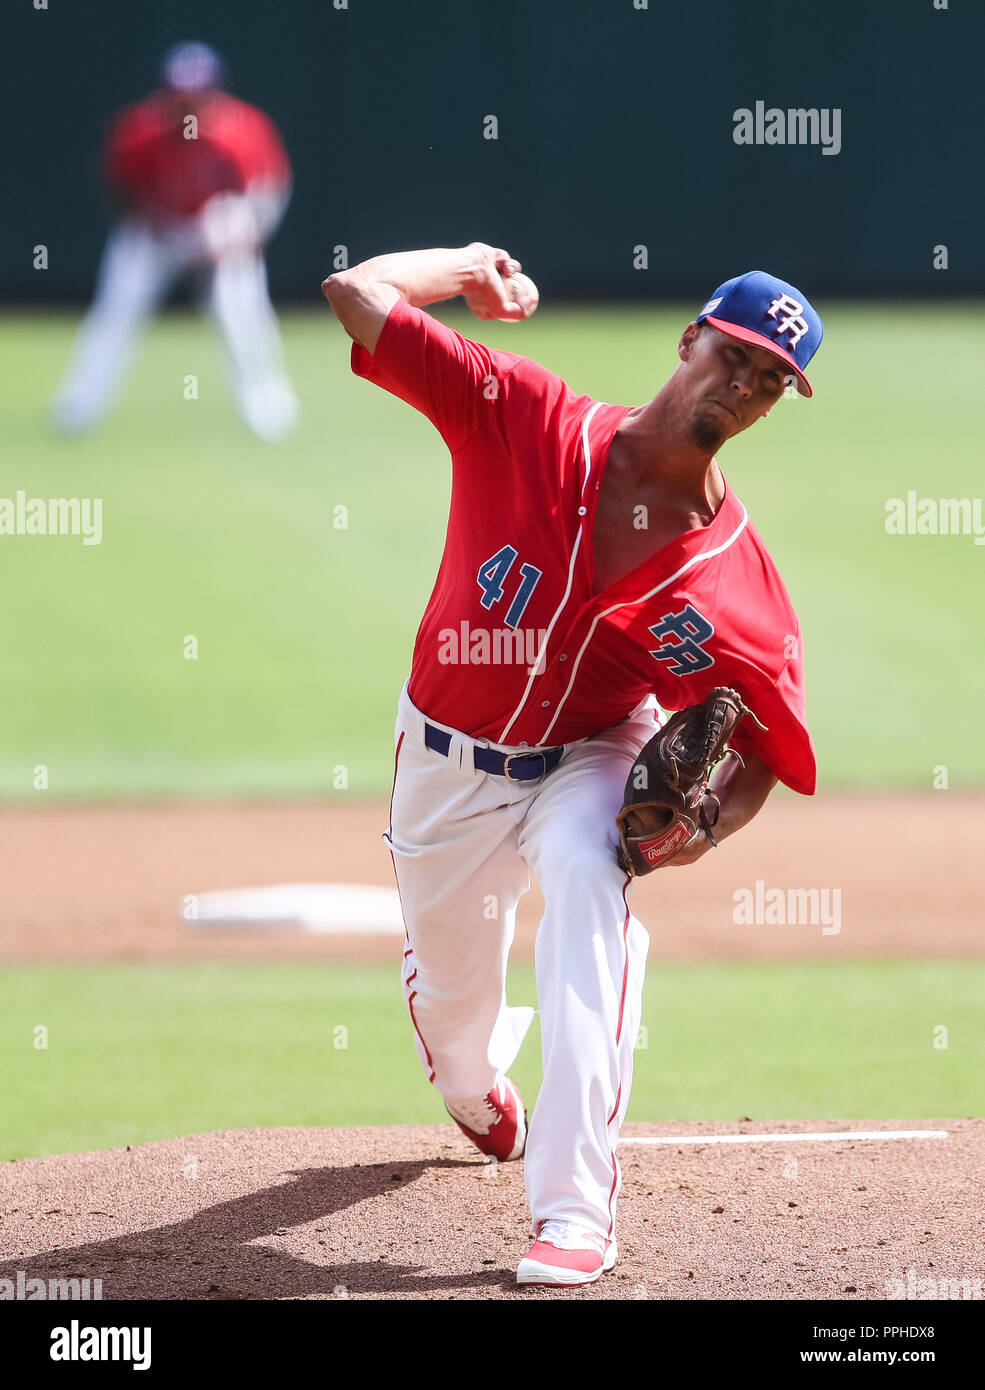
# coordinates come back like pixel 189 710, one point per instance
pixel 565 1254
pixel 496 1124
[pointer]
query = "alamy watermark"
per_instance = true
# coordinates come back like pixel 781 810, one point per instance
pixel 796 907
pixel 483 646
pixel 793 125
pixel 21 515
pixel 23 1289
pixel 939 1286
pixel 81 1343
pixel 935 516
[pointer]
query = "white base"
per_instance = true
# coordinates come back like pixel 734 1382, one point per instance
pixel 324 909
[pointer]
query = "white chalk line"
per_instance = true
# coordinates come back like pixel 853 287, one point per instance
pixel 829 1137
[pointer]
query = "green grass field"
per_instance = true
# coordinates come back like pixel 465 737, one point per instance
pixel 135 1054
pixel 305 631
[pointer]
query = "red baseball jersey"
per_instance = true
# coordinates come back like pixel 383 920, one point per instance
pixel 157 170
pixel 515 646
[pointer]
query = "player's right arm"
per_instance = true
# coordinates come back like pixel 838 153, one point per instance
pixel 363 296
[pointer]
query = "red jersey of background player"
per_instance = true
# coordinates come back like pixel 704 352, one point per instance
pixel 159 173
pixel 515 646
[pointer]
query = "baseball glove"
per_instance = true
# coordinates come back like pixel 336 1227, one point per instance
pixel 667 796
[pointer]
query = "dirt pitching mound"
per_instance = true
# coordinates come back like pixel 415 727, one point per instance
pixel 413 1212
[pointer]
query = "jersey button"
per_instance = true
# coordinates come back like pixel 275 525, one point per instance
pixel 524 744
pixel 544 704
pixel 582 511
pixel 563 656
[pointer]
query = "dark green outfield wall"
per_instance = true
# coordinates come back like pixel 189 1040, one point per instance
pixel 615 131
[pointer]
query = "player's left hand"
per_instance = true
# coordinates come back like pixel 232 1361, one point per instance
pixel 649 822
pixel 698 845
pixel 670 810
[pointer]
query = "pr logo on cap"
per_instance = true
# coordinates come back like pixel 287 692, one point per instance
pixel 793 323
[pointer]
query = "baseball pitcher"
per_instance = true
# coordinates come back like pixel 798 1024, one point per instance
pixel 597 569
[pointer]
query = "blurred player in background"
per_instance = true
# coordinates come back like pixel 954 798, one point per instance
pixel 202 180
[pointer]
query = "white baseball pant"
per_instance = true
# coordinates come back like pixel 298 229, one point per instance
pixel 140 264
pixel 463 845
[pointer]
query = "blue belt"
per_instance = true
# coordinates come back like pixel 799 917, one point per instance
pixel 515 767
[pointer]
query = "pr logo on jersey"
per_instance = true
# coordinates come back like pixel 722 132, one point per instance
pixel 794 323
pixel 682 635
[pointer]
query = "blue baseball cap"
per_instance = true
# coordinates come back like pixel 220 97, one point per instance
pixel 191 67
pixel 758 308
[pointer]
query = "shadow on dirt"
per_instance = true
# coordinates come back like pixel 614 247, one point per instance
pixel 213 1254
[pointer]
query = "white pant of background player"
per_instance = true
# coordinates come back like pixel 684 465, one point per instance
pixel 140 265
pixel 464 843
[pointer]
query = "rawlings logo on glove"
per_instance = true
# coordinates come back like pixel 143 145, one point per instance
pixel 667 799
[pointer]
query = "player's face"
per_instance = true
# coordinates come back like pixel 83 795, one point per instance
pixel 729 384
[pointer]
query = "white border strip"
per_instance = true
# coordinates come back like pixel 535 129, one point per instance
pixel 830 1136
pixel 586 449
